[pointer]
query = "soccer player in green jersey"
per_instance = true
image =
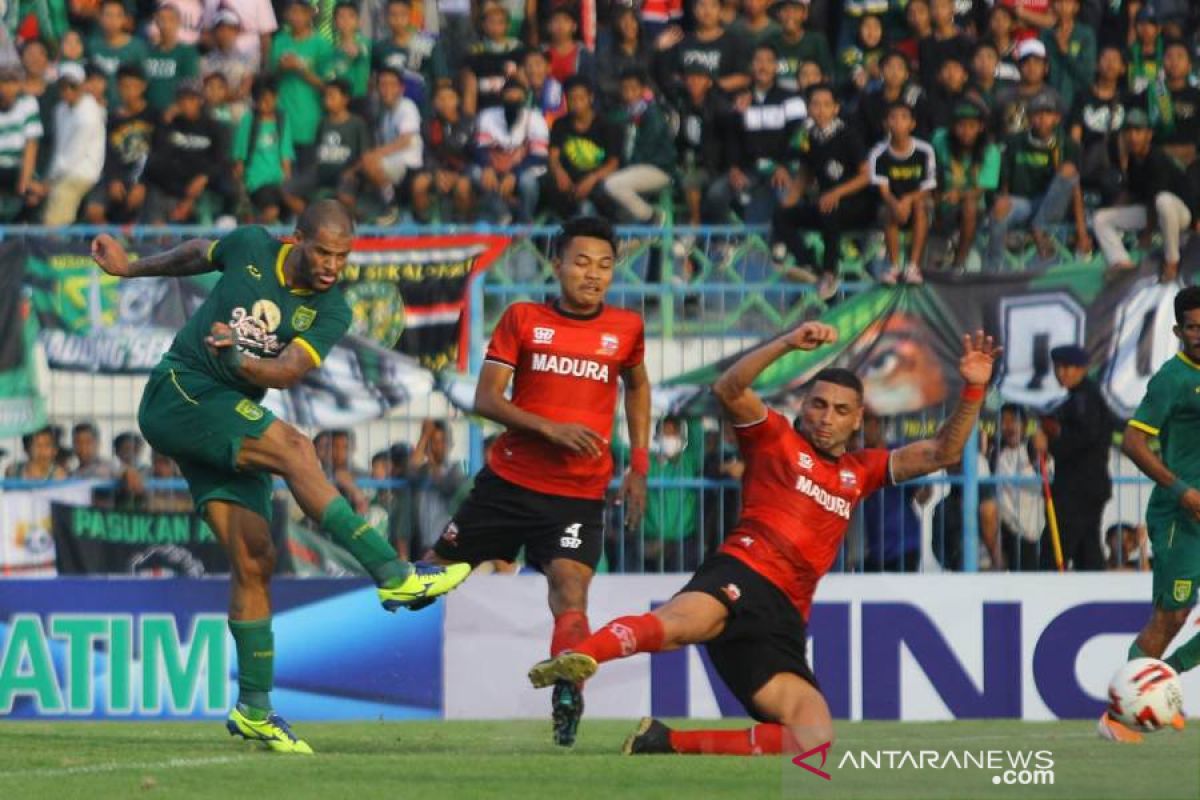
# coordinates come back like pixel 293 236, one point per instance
pixel 1170 412
pixel 273 316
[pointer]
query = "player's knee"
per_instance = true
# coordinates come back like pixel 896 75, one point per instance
pixel 257 559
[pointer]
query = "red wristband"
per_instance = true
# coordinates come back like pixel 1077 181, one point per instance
pixel 973 393
pixel 639 461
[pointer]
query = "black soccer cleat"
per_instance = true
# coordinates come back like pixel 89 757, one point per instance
pixel 566 703
pixel 650 738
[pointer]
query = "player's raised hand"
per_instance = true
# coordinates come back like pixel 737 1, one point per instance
pixel 579 439
pixel 811 335
pixel 110 255
pixel 980 352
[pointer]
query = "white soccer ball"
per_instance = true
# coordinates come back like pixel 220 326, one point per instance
pixel 1145 695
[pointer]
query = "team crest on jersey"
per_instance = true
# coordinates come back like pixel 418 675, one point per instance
pixel 450 535
pixel 254 273
pixel 609 344
pixel 249 409
pixel 1183 591
pixel 732 591
pixel 849 479
pixel 543 335
pixel 302 318
pixel 806 461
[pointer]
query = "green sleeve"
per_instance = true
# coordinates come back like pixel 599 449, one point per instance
pixel 276 50
pixel 234 243
pixel 287 149
pixel 989 170
pixel 1157 405
pixel 323 58
pixel 327 330
pixel 241 139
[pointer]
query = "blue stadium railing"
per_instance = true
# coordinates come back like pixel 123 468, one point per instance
pixel 732 265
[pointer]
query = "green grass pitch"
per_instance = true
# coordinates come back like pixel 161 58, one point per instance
pixel 516 760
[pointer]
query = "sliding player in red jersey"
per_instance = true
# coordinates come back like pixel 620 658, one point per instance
pixel 544 484
pixel 749 602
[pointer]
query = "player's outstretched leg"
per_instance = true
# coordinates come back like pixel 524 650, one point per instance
pixel 803 724
pixel 689 618
pixel 568 583
pixel 285 451
pixel 246 537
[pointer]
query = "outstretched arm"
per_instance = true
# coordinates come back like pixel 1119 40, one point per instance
pixel 946 447
pixel 189 258
pixel 733 390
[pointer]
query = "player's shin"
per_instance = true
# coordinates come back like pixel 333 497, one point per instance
pixel 623 637
pixel 255 644
pixel 368 546
pixel 762 740
pixel 1186 656
pixel 570 630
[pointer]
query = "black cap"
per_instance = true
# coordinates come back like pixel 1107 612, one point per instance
pixel 1070 355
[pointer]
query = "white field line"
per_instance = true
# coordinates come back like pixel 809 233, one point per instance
pixel 115 766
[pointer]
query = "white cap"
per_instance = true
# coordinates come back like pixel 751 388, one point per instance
pixel 227 16
pixel 71 72
pixel 1031 47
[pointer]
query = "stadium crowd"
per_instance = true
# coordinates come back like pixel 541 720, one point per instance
pixel 412 490
pixel 822 117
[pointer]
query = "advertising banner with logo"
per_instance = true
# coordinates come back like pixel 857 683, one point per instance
pixel 83 648
pixel 886 647
pixel 407 293
pixel 905 343
pixel 26 530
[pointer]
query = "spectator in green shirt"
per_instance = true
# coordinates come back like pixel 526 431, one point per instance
pixel 262 151
pixel 795 45
pixel 351 50
pixel 169 61
pixel 968 166
pixel 1039 184
pixel 411 52
pixel 114 46
pixel 342 139
pixel 302 58
pixel 1071 47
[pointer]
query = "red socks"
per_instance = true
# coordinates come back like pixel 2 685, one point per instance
pixel 762 740
pixel 623 637
pixel 570 628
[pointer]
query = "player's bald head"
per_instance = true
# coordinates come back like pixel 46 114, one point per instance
pixel 325 215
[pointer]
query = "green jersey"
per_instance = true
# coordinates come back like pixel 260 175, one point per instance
pixel 252 298
pixel 355 70
pixel 271 147
pixel 1171 411
pixel 960 173
pixel 300 100
pixel 1029 164
pixel 812 46
pixel 107 59
pixel 164 70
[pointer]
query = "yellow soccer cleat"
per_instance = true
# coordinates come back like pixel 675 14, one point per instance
pixel 426 583
pixel 273 731
pixel 571 667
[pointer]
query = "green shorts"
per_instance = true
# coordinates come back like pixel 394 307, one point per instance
pixel 201 424
pixel 1176 542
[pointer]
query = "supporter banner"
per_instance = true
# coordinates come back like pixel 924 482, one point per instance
pixel 97 541
pixel 899 647
pixel 407 293
pixel 26 540
pixel 905 343
pixel 21 406
pixel 122 649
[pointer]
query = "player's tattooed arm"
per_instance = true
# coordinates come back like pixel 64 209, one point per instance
pixel 283 372
pixel 189 258
pixel 732 389
pixel 946 447
pixel 491 403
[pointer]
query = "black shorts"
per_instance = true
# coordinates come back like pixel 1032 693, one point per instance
pixel 764 635
pixel 498 518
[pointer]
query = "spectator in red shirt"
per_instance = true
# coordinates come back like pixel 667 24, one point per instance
pixel 568 57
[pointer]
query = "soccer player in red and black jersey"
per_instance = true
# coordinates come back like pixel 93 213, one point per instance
pixel 749 602
pixel 544 484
